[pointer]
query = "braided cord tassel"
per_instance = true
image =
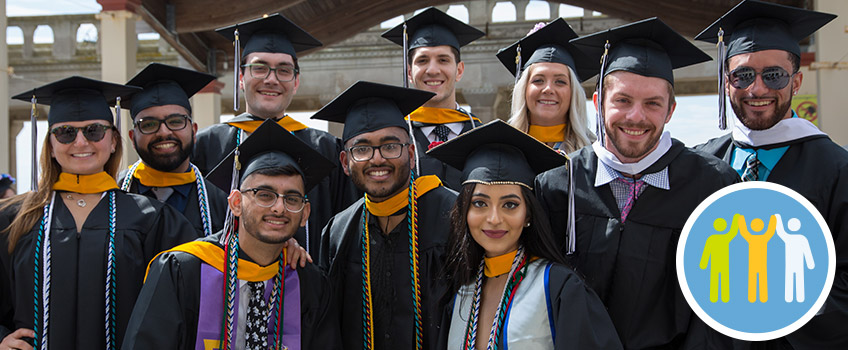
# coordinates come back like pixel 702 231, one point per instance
pixel 125 186
pixel 230 286
pixel 278 296
pixel 203 200
pixel 41 279
pixel 111 282
pixel 471 327
pixel 510 289
pixel 412 222
pixel 367 320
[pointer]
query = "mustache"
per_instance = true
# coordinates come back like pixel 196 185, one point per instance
pixel 632 125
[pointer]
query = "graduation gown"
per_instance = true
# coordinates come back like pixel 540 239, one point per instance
pixel 631 265
pixel 449 175
pixel 817 168
pixel 393 322
pixel 217 204
pixel 552 309
pixel 332 195
pixel 182 291
pixel 143 228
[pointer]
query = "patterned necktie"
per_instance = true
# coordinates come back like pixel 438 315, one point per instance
pixel 256 330
pixel 442 132
pixel 752 168
pixel 635 188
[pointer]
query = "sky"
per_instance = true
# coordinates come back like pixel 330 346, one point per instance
pixel 694 121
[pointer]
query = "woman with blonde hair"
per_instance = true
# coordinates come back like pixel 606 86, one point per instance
pixel 547 101
pixel 76 249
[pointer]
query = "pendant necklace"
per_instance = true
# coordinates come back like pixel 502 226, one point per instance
pixel 80 202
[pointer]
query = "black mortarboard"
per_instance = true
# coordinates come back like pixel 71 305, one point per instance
pixel 6 182
pixel 548 44
pixel 497 153
pixel 77 99
pixel 432 27
pixel 270 145
pixel 754 26
pixel 366 107
pixel 165 85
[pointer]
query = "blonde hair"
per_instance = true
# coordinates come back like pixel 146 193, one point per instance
pixel 32 203
pixel 577 134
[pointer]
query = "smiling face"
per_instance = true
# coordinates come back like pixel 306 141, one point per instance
pixel 758 106
pixel 496 217
pixel 380 178
pixel 273 225
pixel 166 149
pixel 548 93
pixel 636 108
pixel 269 97
pixel 435 69
pixel 83 157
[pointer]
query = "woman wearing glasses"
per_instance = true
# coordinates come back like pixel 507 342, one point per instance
pixel 547 101
pixel 513 289
pixel 77 248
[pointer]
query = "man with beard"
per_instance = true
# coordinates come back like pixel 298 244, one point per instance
pixel 163 136
pixel 384 254
pixel 770 143
pixel 634 188
pixel 269 75
pixel 435 65
pixel 237 279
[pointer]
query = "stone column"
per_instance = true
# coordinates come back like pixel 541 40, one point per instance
pixel 830 43
pixel 520 9
pixel 29 43
pixel 5 164
pixel 119 46
pixel 206 105
pixel 482 102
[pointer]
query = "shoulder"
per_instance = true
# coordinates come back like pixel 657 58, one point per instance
pixel 825 149
pixel 698 164
pixel 142 204
pixel 215 129
pixel 440 194
pixel 717 145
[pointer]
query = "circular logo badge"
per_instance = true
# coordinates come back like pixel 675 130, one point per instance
pixel 756 261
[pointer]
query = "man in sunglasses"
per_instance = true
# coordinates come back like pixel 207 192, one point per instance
pixel 771 143
pixel 269 76
pixel 163 135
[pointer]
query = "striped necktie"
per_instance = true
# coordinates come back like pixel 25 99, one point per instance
pixel 752 168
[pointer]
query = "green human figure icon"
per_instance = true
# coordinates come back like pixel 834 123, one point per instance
pixel 757 256
pixel 716 255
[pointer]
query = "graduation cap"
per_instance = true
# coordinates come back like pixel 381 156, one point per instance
pixel 274 34
pixel 71 100
pixel 648 47
pixel 433 27
pixel 548 44
pixel 6 182
pixel 166 85
pixel 366 107
pixel 270 146
pixel 754 26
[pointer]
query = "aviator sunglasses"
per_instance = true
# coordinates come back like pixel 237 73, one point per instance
pixel 774 78
pixel 92 132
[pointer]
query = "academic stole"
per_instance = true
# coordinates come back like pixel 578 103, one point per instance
pixel 286 122
pixel 432 115
pixel 408 198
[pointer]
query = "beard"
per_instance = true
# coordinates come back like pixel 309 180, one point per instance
pixel 250 224
pixel 634 150
pixel 399 180
pixel 165 163
pixel 760 121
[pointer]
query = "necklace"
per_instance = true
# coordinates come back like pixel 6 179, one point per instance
pixel 80 203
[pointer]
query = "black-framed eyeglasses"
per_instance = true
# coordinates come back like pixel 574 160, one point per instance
pixel 266 198
pixel 387 151
pixel 150 125
pixel 774 78
pixel 92 132
pixel 262 71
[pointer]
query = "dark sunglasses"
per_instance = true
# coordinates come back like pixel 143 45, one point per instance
pixel 150 125
pixel 92 132
pixel 775 78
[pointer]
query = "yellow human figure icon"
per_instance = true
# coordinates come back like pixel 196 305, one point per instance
pixel 717 256
pixel 757 256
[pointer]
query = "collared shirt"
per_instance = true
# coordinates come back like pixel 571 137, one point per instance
pixel 178 199
pixel 607 175
pixel 429 130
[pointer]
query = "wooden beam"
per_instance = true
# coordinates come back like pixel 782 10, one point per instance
pixel 189 45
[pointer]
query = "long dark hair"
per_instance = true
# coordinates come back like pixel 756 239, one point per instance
pixel 464 253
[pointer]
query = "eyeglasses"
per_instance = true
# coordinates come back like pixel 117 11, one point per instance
pixel 262 71
pixel 92 132
pixel 774 78
pixel 387 151
pixel 267 198
pixel 150 125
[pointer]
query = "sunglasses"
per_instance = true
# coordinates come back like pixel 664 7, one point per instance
pixel 775 78
pixel 150 125
pixel 92 132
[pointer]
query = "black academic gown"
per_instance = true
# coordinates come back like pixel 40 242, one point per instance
pixel 332 195
pixel 144 227
pixel 632 265
pixel 817 168
pixel 217 204
pixel 449 175
pixel 166 313
pixel 341 259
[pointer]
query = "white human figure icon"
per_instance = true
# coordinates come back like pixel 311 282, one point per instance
pixel 797 253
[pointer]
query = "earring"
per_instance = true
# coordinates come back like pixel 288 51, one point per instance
pixel 527 224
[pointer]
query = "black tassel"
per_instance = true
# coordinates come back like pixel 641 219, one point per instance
pixel 599 127
pixel 33 119
pixel 236 70
pixel 722 80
